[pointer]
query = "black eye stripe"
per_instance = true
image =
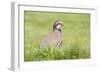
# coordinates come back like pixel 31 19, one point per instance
pixel 58 23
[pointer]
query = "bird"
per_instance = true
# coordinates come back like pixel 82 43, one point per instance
pixel 53 38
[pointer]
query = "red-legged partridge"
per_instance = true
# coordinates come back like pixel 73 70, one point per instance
pixel 54 38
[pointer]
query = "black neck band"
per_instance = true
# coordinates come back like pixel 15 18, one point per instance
pixel 57 29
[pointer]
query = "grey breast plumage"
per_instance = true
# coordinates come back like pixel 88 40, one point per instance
pixel 54 38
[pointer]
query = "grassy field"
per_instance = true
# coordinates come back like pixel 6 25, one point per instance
pixel 76 34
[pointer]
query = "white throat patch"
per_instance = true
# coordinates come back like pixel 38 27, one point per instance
pixel 58 27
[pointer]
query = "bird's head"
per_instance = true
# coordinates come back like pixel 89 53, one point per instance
pixel 57 25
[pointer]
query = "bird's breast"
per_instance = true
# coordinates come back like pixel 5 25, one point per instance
pixel 54 37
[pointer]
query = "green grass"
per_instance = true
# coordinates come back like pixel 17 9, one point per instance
pixel 76 34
